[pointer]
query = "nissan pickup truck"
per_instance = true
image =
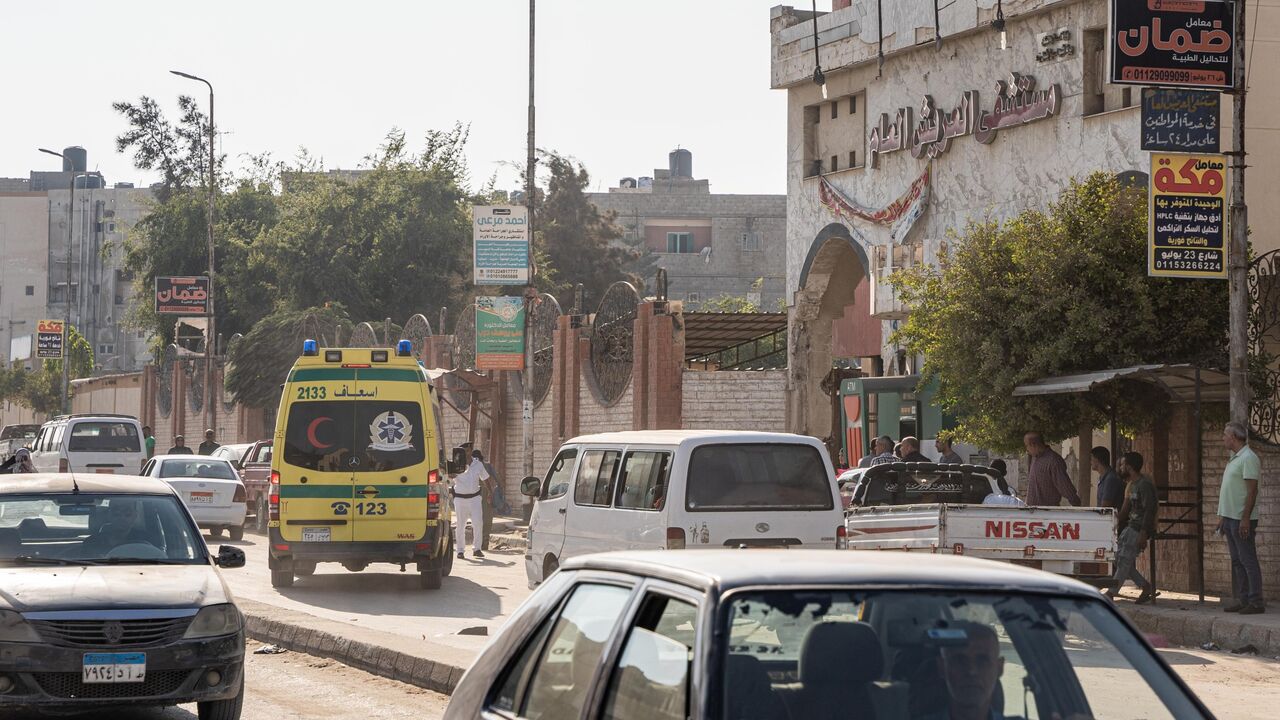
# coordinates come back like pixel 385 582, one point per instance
pixel 255 472
pixel 969 510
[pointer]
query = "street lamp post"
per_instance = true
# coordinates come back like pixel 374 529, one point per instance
pixel 66 318
pixel 530 291
pixel 210 336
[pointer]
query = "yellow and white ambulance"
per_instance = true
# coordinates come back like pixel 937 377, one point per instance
pixel 358 472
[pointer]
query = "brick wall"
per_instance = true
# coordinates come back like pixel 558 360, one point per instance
pixel 745 400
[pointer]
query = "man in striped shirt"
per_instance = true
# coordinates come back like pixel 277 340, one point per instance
pixel 1047 479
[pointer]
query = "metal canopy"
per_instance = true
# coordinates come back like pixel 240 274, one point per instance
pixel 1179 381
pixel 711 332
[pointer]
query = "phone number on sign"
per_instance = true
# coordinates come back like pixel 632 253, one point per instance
pixel 1189 265
pixel 1193 77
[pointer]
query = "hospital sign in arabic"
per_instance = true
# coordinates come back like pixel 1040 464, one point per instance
pixel 182 295
pixel 1188 221
pixel 1176 120
pixel 1175 43
pixel 500 236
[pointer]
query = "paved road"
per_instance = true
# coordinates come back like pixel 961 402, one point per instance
pixel 479 593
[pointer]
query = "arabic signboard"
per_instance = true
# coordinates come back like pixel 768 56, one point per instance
pixel 1180 120
pixel 501 244
pixel 499 333
pixel 1175 43
pixel 49 339
pixel 1017 103
pixel 182 295
pixel 1188 219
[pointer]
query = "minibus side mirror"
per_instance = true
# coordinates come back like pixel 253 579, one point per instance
pixel 531 486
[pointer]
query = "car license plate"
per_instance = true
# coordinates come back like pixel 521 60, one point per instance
pixel 315 534
pixel 201 498
pixel 114 667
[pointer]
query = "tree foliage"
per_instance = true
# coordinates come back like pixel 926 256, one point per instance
pixel 262 358
pixel 40 389
pixel 1054 293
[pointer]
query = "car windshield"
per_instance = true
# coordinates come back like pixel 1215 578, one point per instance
pixel 104 437
pixel 759 476
pixel 96 528
pixel 212 468
pixel 921 654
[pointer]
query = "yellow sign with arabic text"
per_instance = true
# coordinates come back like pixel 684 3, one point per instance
pixel 1187 216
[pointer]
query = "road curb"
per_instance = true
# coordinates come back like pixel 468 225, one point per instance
pixel 420 663
pixel 1191 628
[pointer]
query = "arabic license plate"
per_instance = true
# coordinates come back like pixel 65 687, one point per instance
pixel 315 534
pixel 114 667
pixel 201 498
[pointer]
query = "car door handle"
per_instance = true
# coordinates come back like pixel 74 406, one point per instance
pixel 562 511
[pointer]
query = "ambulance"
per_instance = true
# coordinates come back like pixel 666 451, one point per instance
pixel 358 472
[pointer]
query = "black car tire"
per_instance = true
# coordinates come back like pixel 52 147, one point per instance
pixel 223 709
pixel 215 532
pixel 304 569
pixel 431 579
pixel 261 516
pixel 236 533
pixel 282 578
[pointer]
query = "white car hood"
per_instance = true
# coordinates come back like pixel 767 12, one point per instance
pixel 37 589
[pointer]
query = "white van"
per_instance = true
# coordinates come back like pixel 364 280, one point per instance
pixel 674 489
pixel 89 444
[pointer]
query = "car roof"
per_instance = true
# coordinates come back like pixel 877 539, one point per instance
pixel 728 569
pixel 40 483
pixel 676 437
pixel 193 456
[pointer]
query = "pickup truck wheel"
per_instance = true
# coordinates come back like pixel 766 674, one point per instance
pixel 431 579
pixel 236 533
pixel 215 532
pixel 281 578
pixel 223 709
pixel 260 516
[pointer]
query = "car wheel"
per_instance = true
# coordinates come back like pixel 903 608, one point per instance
pixel 431 579
pixel 304 569
pixel 261 516
pixel 281 578
pixel 215 532
pixel 223 709
pixel 236 533
pixel 549 566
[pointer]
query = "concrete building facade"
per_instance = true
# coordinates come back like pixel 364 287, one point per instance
pixel 710 244
pixel 24 232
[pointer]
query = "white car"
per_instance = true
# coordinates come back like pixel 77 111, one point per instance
pixel 210 488
pixel 90 444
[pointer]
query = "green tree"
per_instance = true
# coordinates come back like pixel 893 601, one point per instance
pixel 1054 293
pixel 41 389
pixel 262 358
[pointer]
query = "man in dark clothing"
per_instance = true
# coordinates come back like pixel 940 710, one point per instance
pixel 179 447
pixel 1138 522
pixel 208 446
pixel 911 450
pixel 1047 478
pixel 1110 486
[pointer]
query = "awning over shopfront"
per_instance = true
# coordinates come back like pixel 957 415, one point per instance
pixel 1179 381
pixel 733 340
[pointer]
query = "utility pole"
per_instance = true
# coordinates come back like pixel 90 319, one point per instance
pixel 1238 250
pixel 530 292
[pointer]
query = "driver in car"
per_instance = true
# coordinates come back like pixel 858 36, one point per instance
pixel 970 671
pixel 123 526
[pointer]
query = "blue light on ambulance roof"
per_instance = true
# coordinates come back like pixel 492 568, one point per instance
pixel 404 348
pixel 309 347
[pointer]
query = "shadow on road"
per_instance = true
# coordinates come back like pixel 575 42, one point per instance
pixel 115 713
pixel 1174 657
pixel 394 594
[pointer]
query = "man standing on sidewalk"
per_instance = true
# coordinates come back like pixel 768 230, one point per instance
pixel 1047 478
pixel 1110 487
pixel 1238 520
pixel 468 505
pixel 1137 520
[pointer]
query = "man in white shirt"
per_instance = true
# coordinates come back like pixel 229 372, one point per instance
pixel 468 504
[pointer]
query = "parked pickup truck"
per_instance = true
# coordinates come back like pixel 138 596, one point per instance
pixel 255 472
pixel 939 508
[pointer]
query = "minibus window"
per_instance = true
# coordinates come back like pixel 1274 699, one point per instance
pixel 758 476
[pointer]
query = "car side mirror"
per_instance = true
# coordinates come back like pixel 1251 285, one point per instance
pixel 229 557
pixel 531 486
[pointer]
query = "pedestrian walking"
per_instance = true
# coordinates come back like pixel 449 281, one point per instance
pixel 209 445
pixel 944 447
pixel 1047 478
pixel 1238 520
pixel 1137 521
pixel 150 441
pixel 468 504
pixel 179 446
pixel 911 450
pixel 1110 486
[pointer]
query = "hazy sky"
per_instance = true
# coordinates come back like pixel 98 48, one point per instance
pixel 620 83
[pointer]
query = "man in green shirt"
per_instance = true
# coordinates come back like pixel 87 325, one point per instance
pixel 1137 520
pixel 1238 520
pixel 150 440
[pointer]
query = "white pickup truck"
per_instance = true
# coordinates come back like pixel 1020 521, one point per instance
pixel 938 508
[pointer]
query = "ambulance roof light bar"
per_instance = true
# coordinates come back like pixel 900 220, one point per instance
pixel 404 348
pixel 309 347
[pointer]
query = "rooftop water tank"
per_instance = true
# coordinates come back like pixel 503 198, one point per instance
pixel 646 182
pixel 627 182
pixel 74 159
pixel 680 163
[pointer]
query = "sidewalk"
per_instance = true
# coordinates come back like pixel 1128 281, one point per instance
pixel 1180 619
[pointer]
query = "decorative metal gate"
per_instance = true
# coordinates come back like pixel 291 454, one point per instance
pixel 545 315
pixel 1264 347
pixel 364 336
pixel 417 331
pixel 612 336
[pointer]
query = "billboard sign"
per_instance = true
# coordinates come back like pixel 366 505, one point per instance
pixel 1176 120
pixel 499 333
pixel 500 244
pixel 49 336
pixel 1188 216
pixel 1174 43
pixel 188 295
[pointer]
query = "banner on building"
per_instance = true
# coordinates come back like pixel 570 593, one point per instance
pixel 1174 43
pixel 187 295
pixel 500 244
pixel 900 214
pixel 49 339
pixel 1188 219
pixel 1175 120
pixel 499 333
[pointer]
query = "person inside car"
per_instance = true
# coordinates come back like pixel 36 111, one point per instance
pixel 123 526
pixel 971 672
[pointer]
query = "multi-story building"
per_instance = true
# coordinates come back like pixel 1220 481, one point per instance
pixel 710 244
pixel 24 239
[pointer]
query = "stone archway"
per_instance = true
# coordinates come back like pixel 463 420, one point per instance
pixel 834 271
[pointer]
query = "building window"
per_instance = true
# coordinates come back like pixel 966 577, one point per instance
pixel 1100 95
pixel 679 242
pixel 853 158
pixel 835 110
pixel 692 297
pixel 106 349
pixel 750 242
pixel 60 293
pixel 841 136
pixel 31 290
pixel 853 104
pixel 835 163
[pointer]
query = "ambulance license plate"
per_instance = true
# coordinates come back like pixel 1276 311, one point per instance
pixel 315 534
pixel 114 667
